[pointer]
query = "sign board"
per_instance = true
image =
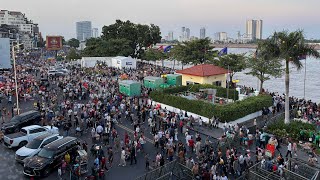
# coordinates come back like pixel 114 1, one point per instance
pixel 5 62
pixel 54 43
pixel 128 63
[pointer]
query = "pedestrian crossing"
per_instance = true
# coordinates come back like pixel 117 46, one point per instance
pixel 131 131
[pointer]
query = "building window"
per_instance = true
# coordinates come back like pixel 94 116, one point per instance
pixel 189 82
pixel 217 83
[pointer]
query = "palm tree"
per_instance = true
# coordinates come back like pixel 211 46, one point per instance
pixel 290 47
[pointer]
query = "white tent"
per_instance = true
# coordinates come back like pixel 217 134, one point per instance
pixel 92 61
pixel 124 62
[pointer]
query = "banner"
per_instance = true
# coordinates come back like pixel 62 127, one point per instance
pixel 54 43
pixel 5 62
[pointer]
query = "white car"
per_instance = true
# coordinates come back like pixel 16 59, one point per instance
pixel 34 146
pixel 52 72
pixel 26 135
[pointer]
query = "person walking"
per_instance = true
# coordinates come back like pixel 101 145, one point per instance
pixel 289 150
pixel 133 154
pixel 123 158
pixel 147 160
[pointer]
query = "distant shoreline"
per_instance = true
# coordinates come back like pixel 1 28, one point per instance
pixel 249 46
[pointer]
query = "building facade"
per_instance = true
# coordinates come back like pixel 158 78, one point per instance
pixel 254 29
pixel 185 34
pixel 25 30
pixel 95 33
pixel 202 33
pixel 83 30
pixel 170 36
pixel 221 36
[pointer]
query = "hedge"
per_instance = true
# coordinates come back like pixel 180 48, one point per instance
pixel 239 109
pixel 292 129
pixel 229 112
pixel 221 92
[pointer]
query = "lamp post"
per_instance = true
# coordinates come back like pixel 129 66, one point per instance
pixel 15 75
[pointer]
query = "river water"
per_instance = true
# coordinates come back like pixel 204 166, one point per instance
pixel 277 84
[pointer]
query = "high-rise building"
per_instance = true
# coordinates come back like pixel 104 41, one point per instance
pixel 254 29
pixel 221 36
pixel 170 36
pixel 258 29
pixel 202 33
pixel 187 37
pixel 83 29
pixel 95 32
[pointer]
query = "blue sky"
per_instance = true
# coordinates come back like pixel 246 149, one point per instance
pixel 58 17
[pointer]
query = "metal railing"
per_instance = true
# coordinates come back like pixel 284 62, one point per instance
pixel 167 171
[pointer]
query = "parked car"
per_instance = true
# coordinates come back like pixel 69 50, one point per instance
pixel 25 135
pixel 50 157
pixel 34 146
pixel 21 120
pixel 52 72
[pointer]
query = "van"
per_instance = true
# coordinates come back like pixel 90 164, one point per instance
pixel 20 121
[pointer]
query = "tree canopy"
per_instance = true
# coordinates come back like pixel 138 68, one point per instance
pixel 235 63
pixel 138 36
pixel 72 55
pixel 262 65
pixel 74 43
pixel 194 52
pixel 101 48
pixel 154 55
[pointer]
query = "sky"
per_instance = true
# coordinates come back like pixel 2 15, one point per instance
pixel 58 17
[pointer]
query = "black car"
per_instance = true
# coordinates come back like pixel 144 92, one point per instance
pixel 20 121
pixel 50 157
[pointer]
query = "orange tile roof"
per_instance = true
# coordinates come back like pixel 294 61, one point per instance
pixel 203 70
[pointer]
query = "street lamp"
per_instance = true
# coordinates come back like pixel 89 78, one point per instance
pixel 15 74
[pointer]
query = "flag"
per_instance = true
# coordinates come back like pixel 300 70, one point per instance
pixel 302 57
pixel 167 49
pixel 223 51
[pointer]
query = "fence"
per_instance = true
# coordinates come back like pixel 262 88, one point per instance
pixel 304 172
pixel 171 170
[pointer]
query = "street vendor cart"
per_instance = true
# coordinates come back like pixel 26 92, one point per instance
pixel 82 159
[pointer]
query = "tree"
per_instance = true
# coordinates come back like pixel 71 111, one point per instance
pixel 63 41
pixel 194 52
pixel 154 55
pixel 289 47
pixel 178 53
pixel 263 65
pixel 74 43
pixel 101 48
pixel 117 47
pixel 234 62
pixel 72 54
pixel 140 36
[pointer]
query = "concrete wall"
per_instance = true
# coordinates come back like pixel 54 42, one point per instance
pixel 211 79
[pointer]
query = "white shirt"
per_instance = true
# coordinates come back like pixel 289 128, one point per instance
pixel 289 147
pixel 123 154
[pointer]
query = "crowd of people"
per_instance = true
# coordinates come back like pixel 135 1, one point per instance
pixel 88 102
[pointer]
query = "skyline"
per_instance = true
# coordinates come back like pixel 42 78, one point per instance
pixel 59 17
